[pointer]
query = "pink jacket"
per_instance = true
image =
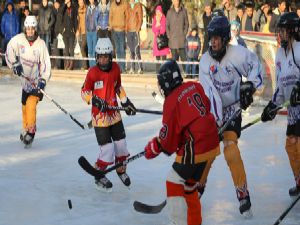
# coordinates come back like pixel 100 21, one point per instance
pixel 159 30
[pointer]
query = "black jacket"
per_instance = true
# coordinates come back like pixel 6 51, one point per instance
pixel 45 20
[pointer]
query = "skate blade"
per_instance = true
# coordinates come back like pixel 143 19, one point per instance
pixel 27 146
pixel 247 214
pixel 102 189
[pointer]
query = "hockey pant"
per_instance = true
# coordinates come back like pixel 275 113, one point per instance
pixel 183 203
pixel 292 147
pixel 235 163
pixel 29 114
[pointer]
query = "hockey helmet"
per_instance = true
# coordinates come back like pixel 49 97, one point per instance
pixel 169 77
pixel 31 21
pixel 287 27
pixel 104 47
pixel 219 26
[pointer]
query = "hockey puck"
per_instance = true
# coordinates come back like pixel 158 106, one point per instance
pixel 69 203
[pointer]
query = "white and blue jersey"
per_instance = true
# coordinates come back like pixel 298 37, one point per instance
pixel 221 80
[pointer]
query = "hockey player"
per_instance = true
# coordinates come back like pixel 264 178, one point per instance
pixel 189 130
pixel 287 63
pixel 28 57
pixel 220 72
pixel 101 87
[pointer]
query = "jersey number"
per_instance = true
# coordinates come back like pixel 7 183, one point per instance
pixel 197 102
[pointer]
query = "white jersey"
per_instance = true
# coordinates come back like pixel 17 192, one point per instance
pixel 221 80
pixel 287 74
pixel 35 59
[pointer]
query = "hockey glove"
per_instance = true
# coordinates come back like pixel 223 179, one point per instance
pixel 17 68
pixel 152 149
pixel 295 95
pixel 41 85
pixel 129 107
pixel 100 103
pixel 246 94
pixel 269 112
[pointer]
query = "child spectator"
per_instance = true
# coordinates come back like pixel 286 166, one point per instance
pixel 192 48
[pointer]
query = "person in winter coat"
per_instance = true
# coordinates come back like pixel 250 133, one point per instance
pixel 91 31
pixel 192 49
pixel 177 29
pixel 69 24
pixel 159 27
pixel 9 23
pixel 45 22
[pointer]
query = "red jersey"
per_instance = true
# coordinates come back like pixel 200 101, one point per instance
pixel 189 128
pixel 105 85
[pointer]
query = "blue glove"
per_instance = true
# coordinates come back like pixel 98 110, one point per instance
pixel 17 68
pixel 41 84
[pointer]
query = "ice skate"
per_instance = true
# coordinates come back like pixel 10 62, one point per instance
pixel 22 134
pixel 27 140
pixel 121 171
pixel 103 184
pixel 245 207
pixel 294 191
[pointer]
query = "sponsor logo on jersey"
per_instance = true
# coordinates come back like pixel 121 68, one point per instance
pixel 278 65
pixel 213 69
pixel 22 48
pixel 98 84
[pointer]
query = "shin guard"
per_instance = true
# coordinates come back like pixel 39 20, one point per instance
pixel 234 161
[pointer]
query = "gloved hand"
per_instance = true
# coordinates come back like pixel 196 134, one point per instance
pixel 41 84
pixel 129 107
pixel 247 90
pixel 295 95
pixel 100 103
pixel 152 149
pixel 269 112
pixel 17 68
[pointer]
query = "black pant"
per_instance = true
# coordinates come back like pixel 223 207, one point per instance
pixel 106 135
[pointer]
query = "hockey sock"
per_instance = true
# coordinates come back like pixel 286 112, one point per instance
pixel 234 161
pixel 30 113
pixel 293 150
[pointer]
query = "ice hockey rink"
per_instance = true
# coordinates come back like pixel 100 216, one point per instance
pixel 36 183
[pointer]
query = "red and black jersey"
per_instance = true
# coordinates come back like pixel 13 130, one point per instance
pixel 105 85
pixel 189 128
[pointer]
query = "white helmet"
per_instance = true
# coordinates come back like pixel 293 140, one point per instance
pixel 104 46
pixel 30 21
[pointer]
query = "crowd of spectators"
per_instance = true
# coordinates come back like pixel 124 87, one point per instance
pixel 83 21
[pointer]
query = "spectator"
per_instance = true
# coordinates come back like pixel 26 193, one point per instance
pixel 298 8
pixel 177 28
pixel 236 39
pixel 91 31
pixel 81 31
pixel 192 48
pixel 248 22
pixel 265 28
pixel 134 20
pixel 206 17
pixel 229 10
pixel 57 30
pixel 69 25
pixel 261 16
pixel 2 59
pixel 240 9
pixel 281 8
pixel 159 27
pixel 22 5
pixel 26 12
pixel 103 19
pixel 9 24
pixel 45 22
pixel 117 23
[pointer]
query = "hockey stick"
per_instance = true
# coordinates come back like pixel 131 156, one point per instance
pixel 84 164
pixel 154 209
pixel 89 125
pixel 138 110
pixel 279 220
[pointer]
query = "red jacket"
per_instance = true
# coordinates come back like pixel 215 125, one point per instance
pixel 189 129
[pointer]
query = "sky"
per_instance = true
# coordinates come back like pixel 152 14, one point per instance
pixel 36 183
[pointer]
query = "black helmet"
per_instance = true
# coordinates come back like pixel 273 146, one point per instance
pixel 289 21
pixel 219 26
pixel 169 77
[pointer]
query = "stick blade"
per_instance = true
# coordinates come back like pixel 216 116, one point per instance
pixel 85 165
pixel 148 209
